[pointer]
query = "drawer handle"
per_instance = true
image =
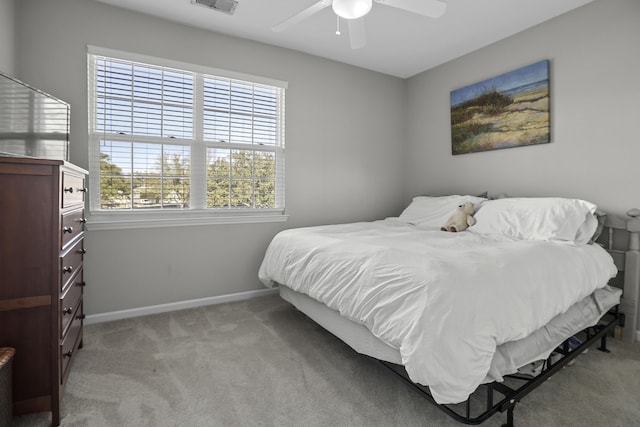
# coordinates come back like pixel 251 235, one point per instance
pixel 68 190
pixel 81 284
pixel 82 251
pixel 67 229
pixel 82 220
pixel 81 316
pixel 67 310
pixel 67 269
pixel 82 190
pixel 67 354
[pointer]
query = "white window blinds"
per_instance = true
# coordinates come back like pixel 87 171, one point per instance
pixel 167 138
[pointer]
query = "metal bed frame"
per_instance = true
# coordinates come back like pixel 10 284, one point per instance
pixel 495 397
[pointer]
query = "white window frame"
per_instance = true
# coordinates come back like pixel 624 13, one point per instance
pixel 197 214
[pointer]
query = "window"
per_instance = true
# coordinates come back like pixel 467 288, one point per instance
pixel 171 141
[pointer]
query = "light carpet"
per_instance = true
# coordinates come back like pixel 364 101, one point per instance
pixel 262 363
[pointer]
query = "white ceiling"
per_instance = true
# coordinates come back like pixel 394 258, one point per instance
pixel 398 43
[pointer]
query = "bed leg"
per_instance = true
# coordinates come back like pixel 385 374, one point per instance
pixel 603 344
pixel 509 422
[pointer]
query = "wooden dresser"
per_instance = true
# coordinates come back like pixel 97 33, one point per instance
pixel 41 279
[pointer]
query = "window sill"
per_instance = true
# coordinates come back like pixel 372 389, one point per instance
pixel 132 220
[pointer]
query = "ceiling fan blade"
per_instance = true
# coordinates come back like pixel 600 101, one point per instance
pixel 357 33
pixel 428 8
pixel 300 16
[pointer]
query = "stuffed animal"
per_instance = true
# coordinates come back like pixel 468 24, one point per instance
pixel 461 218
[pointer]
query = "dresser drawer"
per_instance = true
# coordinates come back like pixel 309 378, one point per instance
pixel 71 341
pixel 69 301
pixel 71 262
pixel 72 225
pixel 73 189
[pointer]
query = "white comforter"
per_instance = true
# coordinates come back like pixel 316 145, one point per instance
pixel 445 300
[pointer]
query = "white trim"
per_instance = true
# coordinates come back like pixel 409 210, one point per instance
pixel 137 57
pixel 173 306
pixel 97 222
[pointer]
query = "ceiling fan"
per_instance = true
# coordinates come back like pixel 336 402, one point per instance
pixel 355 10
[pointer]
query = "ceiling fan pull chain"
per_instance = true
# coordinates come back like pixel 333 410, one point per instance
pixel 337 25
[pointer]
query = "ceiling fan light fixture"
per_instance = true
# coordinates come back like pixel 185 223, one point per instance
pixel 351 9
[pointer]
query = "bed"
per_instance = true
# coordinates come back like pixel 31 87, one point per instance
pixel 459 316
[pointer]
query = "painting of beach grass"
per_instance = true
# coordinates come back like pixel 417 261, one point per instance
pixel 510 110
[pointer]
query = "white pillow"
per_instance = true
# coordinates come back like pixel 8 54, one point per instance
pixel 529 218
pixel 433 212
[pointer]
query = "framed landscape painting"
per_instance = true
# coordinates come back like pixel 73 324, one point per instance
pixel 510 110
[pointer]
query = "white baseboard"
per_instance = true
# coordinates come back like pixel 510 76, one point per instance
pixel 173 306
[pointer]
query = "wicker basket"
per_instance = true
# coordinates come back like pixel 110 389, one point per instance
pixel 6 357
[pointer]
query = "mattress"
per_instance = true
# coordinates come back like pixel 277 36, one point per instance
pixel 509 357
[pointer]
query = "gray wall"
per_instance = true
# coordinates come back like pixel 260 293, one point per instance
pixel 595 109
pixel 344 133
pixel 341 165
pixel 6 37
